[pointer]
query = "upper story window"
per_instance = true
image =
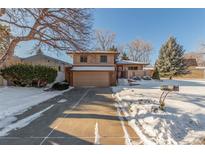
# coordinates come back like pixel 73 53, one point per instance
pixel 103 59
pixel 83 59
pixel 133 68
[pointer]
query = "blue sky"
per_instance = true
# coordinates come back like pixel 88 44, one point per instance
pixel 154 26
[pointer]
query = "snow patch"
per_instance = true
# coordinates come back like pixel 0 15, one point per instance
pixel 22 123
pixel 123 82
pixel 97 135
pixel 60 77
pixel 183 122
pixel 62 101
pixel 16 100
pixel 7 121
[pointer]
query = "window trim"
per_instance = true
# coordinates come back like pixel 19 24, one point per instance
pixel 133 68
pixel 104 59
pixel 84 58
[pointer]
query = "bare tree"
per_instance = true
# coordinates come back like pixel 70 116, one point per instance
pixel 4 38
pixel 56 28
pixel 121 49
pixel 139 50
pixel 104 39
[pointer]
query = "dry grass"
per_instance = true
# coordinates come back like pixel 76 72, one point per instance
pixel 194 74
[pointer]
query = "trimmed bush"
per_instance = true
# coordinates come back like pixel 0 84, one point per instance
pixel 29 75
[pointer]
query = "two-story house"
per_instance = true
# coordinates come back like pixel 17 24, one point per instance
pixel 99 69
pixel 94 68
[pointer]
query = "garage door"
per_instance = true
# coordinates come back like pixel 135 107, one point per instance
pixel 97 79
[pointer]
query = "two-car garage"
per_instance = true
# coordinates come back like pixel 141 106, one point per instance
pixel 92 76
pixel 97 79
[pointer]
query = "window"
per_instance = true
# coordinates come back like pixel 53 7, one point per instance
pixel 103 59
pixel 83 59
pixel 136 68
pixel 132 68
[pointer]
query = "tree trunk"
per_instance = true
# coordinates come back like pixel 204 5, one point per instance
pixel 9 53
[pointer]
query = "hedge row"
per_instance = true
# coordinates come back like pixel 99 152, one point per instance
pixel 29 75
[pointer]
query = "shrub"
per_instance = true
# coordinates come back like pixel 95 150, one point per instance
pixel 156 74
pixel 60 86
pixel 29 75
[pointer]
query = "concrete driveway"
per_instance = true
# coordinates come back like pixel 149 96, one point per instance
pixel 88 116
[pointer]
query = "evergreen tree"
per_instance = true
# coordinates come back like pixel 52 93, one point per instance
pixel 170 60
pixel 124 56
pixel 113 48
pixel 156 74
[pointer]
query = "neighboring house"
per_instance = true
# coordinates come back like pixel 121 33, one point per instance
pixel 42 59
pixel 39 59
pixel 10 61
pixel 196 65
pixel 149 70
pixel 94 68
pixel 129 69
pixel 199 57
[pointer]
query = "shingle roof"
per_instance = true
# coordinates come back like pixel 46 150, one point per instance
pixel 128 62
pixel 195 59
pixel 46 56
pixel 95 52
pixel 148 67
pixel 190 62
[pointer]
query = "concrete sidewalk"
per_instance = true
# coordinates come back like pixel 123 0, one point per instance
pixel 89 116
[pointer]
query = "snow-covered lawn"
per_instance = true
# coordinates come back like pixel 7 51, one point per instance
pixel 183 121
pixel 16 100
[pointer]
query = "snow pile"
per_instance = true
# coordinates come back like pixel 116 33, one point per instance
pixel 123 82
pixel 161 127
pixel 183 121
